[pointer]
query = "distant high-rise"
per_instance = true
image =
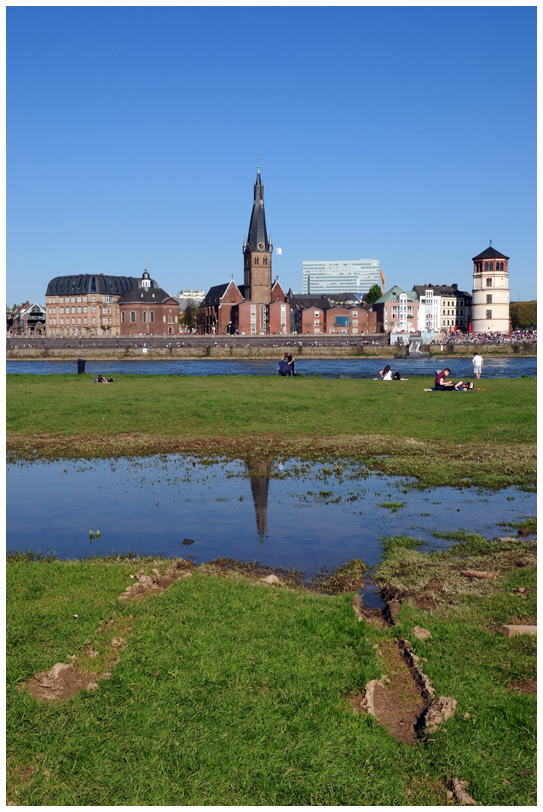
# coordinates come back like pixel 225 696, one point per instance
pixel 337 276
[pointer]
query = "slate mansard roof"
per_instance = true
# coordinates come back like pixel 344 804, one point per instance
pixel 93 283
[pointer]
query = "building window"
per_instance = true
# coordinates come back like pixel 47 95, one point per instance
pixel 122 317
pixel 486 266
pixel 132 316
pixel 489 314
pixel 489 298
pixel 491 266
pixel 94 307
pixel 94 319
pixel 256 260
pixel 144 316
pixel 152 315
pixel 93 298
pixel 84 319
pixel 264 260
pixel 489 282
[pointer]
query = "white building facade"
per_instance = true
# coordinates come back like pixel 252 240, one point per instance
pixel 338 276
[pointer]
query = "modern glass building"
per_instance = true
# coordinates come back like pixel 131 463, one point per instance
pixel 336 276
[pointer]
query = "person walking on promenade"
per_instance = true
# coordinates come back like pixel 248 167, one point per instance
pixel 477 364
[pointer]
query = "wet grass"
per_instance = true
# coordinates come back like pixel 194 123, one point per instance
pixel 393 506
pixel 529 525
pixel 484 438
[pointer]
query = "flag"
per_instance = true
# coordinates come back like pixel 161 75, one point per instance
pixel 278 250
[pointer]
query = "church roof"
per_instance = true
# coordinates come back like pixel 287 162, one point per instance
pixel 215 294
pixel 490 253
pixel 147 296
pixel 258 236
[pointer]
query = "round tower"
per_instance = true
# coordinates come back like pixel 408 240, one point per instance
pixel 490 296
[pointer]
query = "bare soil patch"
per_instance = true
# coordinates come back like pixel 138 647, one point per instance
pixel 62 682
pixel 526 687
pixel 397 698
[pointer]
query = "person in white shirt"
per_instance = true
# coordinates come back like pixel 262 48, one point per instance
pixel 386 373
pixel 477 364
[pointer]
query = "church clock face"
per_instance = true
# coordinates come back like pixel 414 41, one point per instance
pixel 261 245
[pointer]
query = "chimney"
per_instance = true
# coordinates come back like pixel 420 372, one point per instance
pixel 455 287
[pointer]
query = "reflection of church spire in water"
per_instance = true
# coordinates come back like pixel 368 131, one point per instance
pixel 259 472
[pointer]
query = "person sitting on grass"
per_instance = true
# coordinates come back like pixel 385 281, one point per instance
pixel 386 373
pixel 442 385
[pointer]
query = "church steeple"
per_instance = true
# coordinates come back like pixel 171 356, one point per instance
pixel 257 251
pixel 258 236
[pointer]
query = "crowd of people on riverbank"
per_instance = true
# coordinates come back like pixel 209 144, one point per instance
pixel 516 337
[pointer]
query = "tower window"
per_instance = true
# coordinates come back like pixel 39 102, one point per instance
pixel 265 260
pixel 256 261
pixel 489 314
pixel 489 298
pixel 489 282
pixel 491 266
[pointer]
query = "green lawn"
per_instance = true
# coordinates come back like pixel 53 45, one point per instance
pixel 230 692
pixel 483 438
pixel 235 406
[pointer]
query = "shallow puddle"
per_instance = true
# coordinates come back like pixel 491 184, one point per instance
pixel 306 516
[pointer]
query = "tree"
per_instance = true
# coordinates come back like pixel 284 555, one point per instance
pixel 374 293
pixel 188 317
pixel 523 315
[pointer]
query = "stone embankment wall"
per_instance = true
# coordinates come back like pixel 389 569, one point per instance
pixel 210 351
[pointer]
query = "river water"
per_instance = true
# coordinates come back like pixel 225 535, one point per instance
pixel 299 515
pixel 331 368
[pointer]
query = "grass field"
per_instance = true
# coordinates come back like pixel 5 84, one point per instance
pixel 485 437
pixel 231 692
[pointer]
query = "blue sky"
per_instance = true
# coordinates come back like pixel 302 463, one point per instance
pixel 402 133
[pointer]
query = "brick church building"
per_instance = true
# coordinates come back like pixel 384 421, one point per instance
pixel 258 307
